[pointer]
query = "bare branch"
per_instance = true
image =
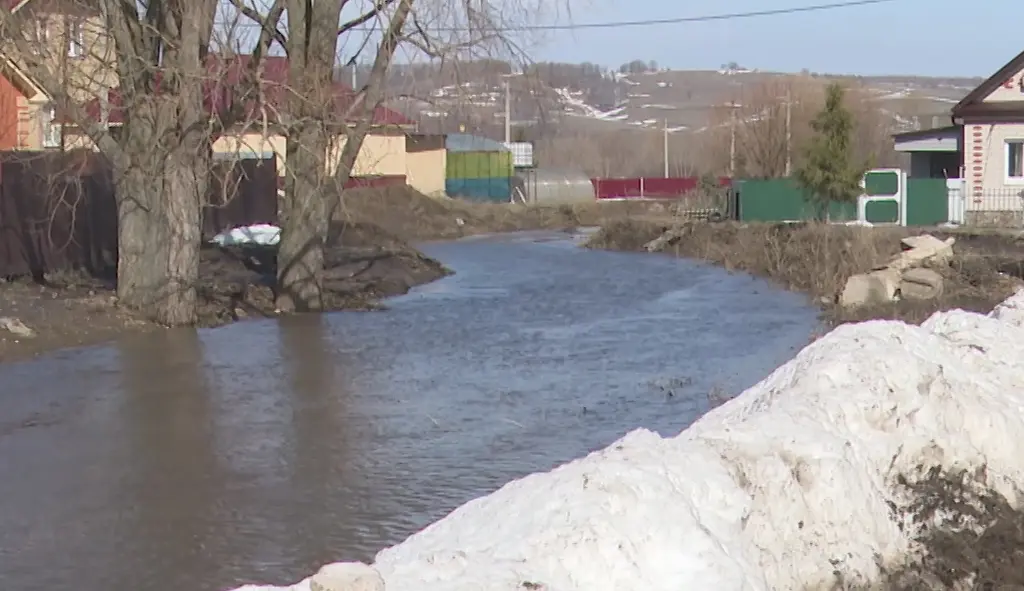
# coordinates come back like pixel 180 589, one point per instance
pixel 366 17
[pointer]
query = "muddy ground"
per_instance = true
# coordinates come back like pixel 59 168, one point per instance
pixel 71 309
pixel 369 258
pixel 818 259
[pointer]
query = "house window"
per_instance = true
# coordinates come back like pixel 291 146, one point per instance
pixel 1015 160
pixel 76 38
pixel 51 129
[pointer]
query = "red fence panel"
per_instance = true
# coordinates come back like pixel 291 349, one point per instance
pixel 616 188
pixel 649 187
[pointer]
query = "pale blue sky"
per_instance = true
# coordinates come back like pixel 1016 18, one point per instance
pixel 926 37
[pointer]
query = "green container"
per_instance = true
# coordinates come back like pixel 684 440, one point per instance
pixel 479 165
pixel 494 190
pixel 927 202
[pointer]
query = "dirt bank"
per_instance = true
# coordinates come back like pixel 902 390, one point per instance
pixel 980 547
pixel 364 263
pixel 369 258
pixel 410 215
pixel 818 259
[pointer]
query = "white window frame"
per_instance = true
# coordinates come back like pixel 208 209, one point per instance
pixel 76 38
pixel 1012 180
pixel 51 130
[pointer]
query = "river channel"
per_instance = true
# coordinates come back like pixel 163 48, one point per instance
pixel 258 451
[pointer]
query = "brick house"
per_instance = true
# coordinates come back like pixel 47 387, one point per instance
pixel 71 35
pixel 982 152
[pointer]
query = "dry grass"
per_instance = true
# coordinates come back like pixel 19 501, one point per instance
pixel 818 259
pixel 411 215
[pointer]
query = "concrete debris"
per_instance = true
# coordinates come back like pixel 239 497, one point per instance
pixel 347 576
pixel 921 249
pixel 921 284
pixel 865 289
pixel 16 327
pixel 904 276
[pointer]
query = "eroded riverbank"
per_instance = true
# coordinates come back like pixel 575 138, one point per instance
pixel 817 260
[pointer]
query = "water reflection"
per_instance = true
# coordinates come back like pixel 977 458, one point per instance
pixel 318 421
pixel 255 452
pixel 170 489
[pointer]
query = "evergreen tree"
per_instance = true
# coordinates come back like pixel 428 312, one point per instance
pixel 828 173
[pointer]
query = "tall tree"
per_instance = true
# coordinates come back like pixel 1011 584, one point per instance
pixel 828 172
pixel 311 198
pixel 154 82
pixel 325 131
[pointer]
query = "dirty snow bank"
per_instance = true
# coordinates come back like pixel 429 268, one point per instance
pixel 260 234
pixel 779 488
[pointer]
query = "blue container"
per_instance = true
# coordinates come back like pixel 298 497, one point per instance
pixel 490 190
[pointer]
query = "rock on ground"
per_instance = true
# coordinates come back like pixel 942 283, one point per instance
pixel 16 327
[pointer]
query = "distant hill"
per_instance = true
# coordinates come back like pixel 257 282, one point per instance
pixel 588 95
pixel 554 101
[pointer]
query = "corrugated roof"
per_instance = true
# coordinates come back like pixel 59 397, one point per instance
pixel 464 142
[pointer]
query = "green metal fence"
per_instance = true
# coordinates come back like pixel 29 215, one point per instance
pixel 783 200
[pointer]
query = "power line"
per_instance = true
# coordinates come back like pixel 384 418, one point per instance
pixel 705 18
pixel 652 22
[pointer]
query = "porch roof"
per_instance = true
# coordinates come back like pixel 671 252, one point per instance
pixel 942 139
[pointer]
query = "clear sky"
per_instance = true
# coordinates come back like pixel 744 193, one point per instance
pixel 925 37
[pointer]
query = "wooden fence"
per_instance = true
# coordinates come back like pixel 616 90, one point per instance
pixel 57 210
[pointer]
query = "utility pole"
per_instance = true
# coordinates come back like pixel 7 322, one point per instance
pixel 665 147
pixel 789 132
pixel 732 140
pixel 508 113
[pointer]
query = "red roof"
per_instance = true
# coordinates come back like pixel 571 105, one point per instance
pixel 227 77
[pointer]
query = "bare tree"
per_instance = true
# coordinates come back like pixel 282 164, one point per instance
pixel 154 125
pixel 766 136
pixel 317 169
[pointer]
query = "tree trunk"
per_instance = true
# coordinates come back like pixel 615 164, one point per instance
pixel 304 223
pixel 158 201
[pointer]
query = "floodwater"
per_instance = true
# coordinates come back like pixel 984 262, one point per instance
pixel 259 451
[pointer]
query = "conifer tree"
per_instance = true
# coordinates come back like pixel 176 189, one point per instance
pixel 828 173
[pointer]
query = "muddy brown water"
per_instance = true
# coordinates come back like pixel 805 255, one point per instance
pixel 258 451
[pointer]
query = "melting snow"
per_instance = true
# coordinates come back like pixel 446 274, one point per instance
pixel 264 234
pixel 764 492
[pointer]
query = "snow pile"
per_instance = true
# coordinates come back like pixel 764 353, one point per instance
pixel 776 489
pixel 261 234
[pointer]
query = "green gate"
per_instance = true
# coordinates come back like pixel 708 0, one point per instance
pixel 883 199
pixel 927 202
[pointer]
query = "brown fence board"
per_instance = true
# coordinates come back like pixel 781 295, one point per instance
pixel 57 210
